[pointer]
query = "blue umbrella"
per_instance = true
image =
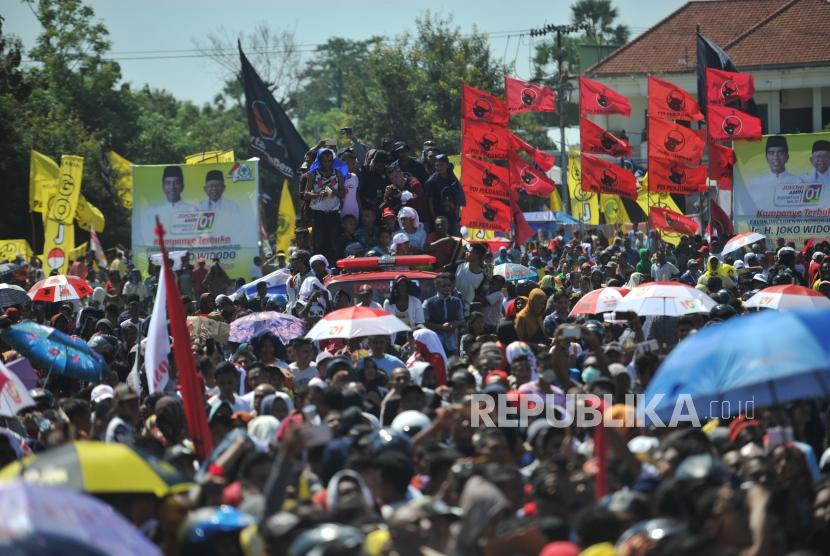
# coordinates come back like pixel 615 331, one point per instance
pixel 766 358
pixel 276 283
pixel 54 351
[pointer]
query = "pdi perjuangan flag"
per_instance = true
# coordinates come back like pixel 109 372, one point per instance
pixel 209 210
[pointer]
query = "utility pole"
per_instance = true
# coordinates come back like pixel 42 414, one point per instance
pixel 561 87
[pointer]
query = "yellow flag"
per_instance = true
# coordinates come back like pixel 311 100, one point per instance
pixel 646 200
pixel 122 180
pixel 59 230
pixel 89 217
pixel 78 252
pixel 584 204
pixel 43 181
pixel 286 219
pixel 555 201
pixel 11 248
pixel 210 157
pixel 613 209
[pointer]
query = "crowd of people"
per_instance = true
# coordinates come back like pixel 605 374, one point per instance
pixel 367 445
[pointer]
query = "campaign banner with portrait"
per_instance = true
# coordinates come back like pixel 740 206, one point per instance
pixel 208 210
pixel 782 186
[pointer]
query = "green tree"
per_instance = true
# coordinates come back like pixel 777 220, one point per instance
pixel 599 16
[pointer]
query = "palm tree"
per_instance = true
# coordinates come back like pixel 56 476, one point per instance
pixel 598 18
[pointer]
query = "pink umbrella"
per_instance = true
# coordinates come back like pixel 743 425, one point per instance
pixel 742 240
pixel 788 297
pixel 356 322
pixel 668 299
pixel 13 395
pixel 60 288
pixel 603 300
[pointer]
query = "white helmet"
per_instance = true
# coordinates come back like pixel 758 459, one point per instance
pixel 410 422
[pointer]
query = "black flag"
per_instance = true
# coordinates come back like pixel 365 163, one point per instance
pixel 273 137
pixel 710 55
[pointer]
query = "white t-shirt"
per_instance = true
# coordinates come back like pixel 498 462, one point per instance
pixel 664 272
pixel 467 282
pixel 494 310
pixel 303 376
pixel 239 403
pixel 350 205
pixel 413 315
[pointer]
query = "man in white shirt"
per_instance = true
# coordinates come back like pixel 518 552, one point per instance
pixel 227 380
pixel 662 270
pixel 762 189
pixel 350 183
pixel 820 159
pixel 215 189
pixel 121 428
pixel 173 185
pixel 470 274
pixel 303 369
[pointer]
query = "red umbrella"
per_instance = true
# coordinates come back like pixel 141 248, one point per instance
pixel 603 300
pixel 60 288
pixel 356 322
pixel 788 297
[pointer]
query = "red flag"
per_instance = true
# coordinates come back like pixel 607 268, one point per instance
pixel 485 140
pixel 670 221
pixel 669 176
pixel 525 176
pixel 721 161
pixel 594 139
pixel 725 87
pixel 190 385
pixel 596 98
pixel 673 141
pixel 720 221
pixel 670 102
pixel 523 230
pixel 544 160
pixel 485 213
pixel 481 106
pixel 600 176
pixel 725 123
pixel 485 178
pixel 528 97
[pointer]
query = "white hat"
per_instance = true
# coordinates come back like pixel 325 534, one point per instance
pixel 101 392
pixel 760 278
pixel 319 259
pixel 400 238
pixel 739 265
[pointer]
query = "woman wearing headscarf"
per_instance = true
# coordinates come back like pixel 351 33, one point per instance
pixel 344 483
pixel 644 263
pixel 278 404
pixel 324 186
pixel 635 280
pixel 529 321
pixel 428 347
pixel 411 226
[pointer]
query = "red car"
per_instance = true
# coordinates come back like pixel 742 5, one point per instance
pixel 379 272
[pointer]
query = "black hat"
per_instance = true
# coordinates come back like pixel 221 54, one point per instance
pixel 777 141
pixel 399 146
pixel 821 145
pixel 215 175
pixel 172 172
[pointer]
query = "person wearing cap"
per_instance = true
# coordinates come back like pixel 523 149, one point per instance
pixel 400 244
pixel 409 165
pixel 820 159
pixel 121 427
pixel 446 196
pixel 692 274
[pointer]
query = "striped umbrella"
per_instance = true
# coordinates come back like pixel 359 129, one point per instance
pixel 788 297
pixel 60 288
pixel 668 299
pixel 603 300
pixel 356 322
pixel 97 467
pixel 742 240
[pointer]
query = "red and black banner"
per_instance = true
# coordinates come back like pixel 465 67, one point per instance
pixel 533 181
pixel 481 106
pixel 600 176
pixel 670 102
pixel 726 123
pixel 528 97
pixel 728 87
pixel 673 141
pixel 594 139
pixel 486 178
pixel 544 160
pixel 669 176
pixel 485 140
pixel 670 221
pixel 721 161
pixel 486 213
pixel 596 98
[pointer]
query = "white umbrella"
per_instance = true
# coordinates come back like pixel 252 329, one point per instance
pixel 603 300
pixel 788 297
pixel 12 295
pixel 13 394
pixel 742 240
pixel 60 287
pixel 356 322
pixel 667 299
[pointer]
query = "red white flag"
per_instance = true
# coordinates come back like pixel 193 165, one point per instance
pixel 725 124
pixel 594 139
pixel 98 249
pixel 485 178
pixel 485 140
pixel 669 176
pixel 721 161
pixel 670 102
pixel 485 213
pixel 156 364
pixel 544 160
pixel 670 221
pixel 528 97
pixel 673 141
pixel 600 176
pixel 481 106
pixel 725 87
pixel 532 181
pixel 596 98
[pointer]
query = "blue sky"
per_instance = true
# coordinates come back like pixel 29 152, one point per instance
pixel 153 28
